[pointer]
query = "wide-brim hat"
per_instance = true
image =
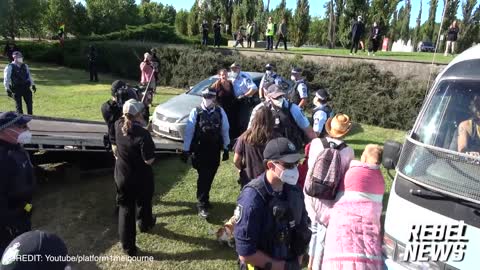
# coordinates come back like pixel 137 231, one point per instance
pixel 338 126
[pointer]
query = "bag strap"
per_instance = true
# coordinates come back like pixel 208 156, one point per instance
pixel 325 143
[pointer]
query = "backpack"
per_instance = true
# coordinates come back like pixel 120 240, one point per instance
pixel 326 174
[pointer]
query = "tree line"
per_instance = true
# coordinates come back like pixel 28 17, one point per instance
pixel 41 18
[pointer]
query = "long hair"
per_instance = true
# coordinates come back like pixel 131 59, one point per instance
pixel 127 123
pixel 261 130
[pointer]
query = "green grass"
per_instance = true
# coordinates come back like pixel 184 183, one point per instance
pixel 79 207
pixel 405 56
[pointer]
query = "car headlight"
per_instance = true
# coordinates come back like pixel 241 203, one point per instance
pixel 430 265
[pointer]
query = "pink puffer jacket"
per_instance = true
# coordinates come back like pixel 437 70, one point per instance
pixel 353 238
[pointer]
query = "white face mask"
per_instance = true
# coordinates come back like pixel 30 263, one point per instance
pixel 288 176
pixel 234 74
pixel 278 102
pixel 268 72
pixel 208 103
pixel 293 78
pixel 20 60
pixel 24 137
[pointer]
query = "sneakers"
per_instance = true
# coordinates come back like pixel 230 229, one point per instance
pixel 146 227
pixel 368 53
pixel 203 213
pixel 351 54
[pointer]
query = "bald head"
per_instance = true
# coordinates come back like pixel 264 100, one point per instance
pixel 372 154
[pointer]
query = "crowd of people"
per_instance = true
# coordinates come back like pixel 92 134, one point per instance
pixel 277 220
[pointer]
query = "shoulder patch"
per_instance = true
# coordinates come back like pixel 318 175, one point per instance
pixel 238 213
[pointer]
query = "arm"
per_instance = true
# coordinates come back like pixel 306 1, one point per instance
pixel 29 75
pixel 189 130
pixel 239 150
pixel 225 129
pixel 463 135
pixel 147 147
pixel 303 103
pixel 237 160
pixel 7 73
pixel 252 87
pixel 260 90
pixel 302 122
pixel 319 120
pixel 303 92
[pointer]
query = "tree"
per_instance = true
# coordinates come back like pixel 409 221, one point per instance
pixel 181 22
pixel 469 28
pixel 193 16
pixel 382 12
pixel 451 9
pixel 80 21
pixel 416 34
pixel 430 25
pixel 58 12
pixel 405 22
pixel 112 15
pixel 317 34
pixel 352 9
pixel 152 12
pixel 301 21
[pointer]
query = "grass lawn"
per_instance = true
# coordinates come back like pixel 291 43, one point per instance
pixel 79 207
pixel 405 56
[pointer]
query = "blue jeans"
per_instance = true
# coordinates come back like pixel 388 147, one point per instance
pixel 317 244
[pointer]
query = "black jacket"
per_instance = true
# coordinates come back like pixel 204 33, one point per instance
pixel 357 30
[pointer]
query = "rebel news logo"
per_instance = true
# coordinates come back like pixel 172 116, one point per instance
pixel 436 243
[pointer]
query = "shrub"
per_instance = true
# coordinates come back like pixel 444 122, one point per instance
pixel 360 90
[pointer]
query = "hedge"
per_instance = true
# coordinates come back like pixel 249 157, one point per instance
pixel 362 91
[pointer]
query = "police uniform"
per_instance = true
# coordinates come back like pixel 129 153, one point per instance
pixel 275 223
pixel 321 113
pixel 241 85
pixel 133 178
pixel 289 120
pixel 206 134
pixel 300 91
pixel 17 80
pixel 17 183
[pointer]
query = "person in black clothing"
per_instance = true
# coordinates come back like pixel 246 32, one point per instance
pixel 452 37
pixel 205 33
pixel 217 28
pixel 374 39
pixel 282 34
pixel 19 83
pixel 155 63
pixel 92 63
pixel 206 135
pixel 17 180
pixel 9 49
pixel 133 175
pixel 357 32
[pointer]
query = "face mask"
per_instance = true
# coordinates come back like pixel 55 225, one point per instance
pixel 20 60
pixel 208 103
pixel 24 137
pixel 288 176
pixel 278 102
pixel 293 78
pixel 268 72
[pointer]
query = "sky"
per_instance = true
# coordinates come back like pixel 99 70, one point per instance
pixel 317 7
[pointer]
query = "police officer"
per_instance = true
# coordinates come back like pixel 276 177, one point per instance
pixel 321 112
pixel 217 28
pixel 92 63
pixel 156 64
pixel 271 230
pixel 300 95
pixel 290 122
pixel 112 110
pixel 244 89
pixel 133 174
pixel 269 34
pixel 17 181
pixel 268 79
pixel 18 81
pixel 206 135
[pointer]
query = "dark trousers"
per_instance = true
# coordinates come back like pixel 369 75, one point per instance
pixel 249 41
pixel 206 162
pixel 216 40
pixel 26 94
pixel 269 42
pixel 93 71
pixel 355 42
pixel 239 42
pixel 284 39
pixel 373 47
pixel 204 38
pixel 135 203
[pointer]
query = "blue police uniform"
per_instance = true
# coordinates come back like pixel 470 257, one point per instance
pixel 301 91
pixel 259 228
pixel 241 85
pixel 17 183
pixel 206 134
pixel 320 115
pixel 300 119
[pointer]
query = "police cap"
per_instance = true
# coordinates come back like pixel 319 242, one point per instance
pixel 8 119
pixel 209 93
pixel 281 149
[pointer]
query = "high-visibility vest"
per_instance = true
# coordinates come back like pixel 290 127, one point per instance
pixel 270 29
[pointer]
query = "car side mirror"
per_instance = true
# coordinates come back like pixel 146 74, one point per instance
pixel 391 154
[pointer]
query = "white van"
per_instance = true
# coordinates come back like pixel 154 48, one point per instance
pixel 433 215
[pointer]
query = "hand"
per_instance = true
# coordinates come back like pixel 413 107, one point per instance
pixel 34 89
pixel 10 93
pixel 115 151
pixel 185 155
pixel 225 155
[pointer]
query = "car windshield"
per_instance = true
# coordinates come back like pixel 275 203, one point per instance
pixel 199 87
pixel 443 151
